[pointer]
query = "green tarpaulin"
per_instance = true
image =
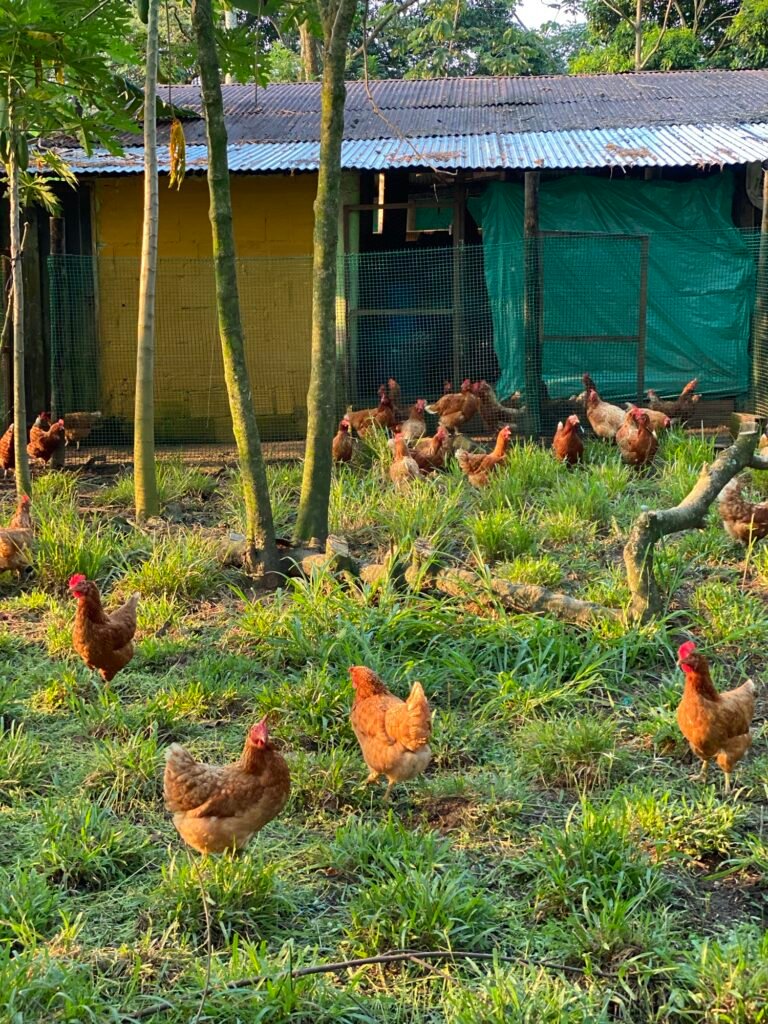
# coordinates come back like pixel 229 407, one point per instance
pixel 700 283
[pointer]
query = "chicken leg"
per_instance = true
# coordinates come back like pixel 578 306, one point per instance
pixel 702 775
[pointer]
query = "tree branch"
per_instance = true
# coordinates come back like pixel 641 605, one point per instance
pixel 662 33
pixel 377 28
pixel 689 514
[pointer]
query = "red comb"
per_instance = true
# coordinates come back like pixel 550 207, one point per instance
pixel 686 650
pixel 259 733
pixel 25 499
pixel 76 579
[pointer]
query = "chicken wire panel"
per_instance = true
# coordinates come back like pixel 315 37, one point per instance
pixel 421 317
pixel 94 315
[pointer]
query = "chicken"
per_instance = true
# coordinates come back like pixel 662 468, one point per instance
pixel 447 387
pixel 343 445
pixel 104 641
pixel 395 396
pixel 44 441
pixel 477 467
pixel 393 734
pixel 681 408
pixel 567 444
pixel 635 439
pixel 431 453
pixel 455 410
pixel 492 412
pixel 604 418
pixel 7 453
pixel 382 416
pixel 414 426
pixel 78 426
pixel 744 520
pixel 715 724
pixel 658 420
pixel 403 468
pixel 16 539
pixel 220 807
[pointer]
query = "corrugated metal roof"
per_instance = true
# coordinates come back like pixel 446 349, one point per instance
pixel 689 145
pixel 476 106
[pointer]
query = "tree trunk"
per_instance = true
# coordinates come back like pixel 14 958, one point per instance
pixel 258 509
pixel 690 514
pixel 144 478
pixel 638 26
pixel 312 522
pixel 310 58
pixel 23 481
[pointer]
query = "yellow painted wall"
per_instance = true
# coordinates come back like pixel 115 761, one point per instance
pixel 273 231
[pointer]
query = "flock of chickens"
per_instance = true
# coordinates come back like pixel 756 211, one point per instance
pixel 634 430
pixel 46 438
pixel 219 808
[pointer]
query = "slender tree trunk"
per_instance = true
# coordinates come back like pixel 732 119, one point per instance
pixel 639 35
pixel 321 398
pixel 310 58
pixel 23 481
pixel 145 481
pixel 258 509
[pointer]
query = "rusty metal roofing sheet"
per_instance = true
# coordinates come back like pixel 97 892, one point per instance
pixel 690 145
pixel 471 106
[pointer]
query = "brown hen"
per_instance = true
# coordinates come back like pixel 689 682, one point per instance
pixel 477 467
pixel 220 807
pixel 745 521
pixel 104 641
pixel 16 539
pixel 567 443
pixel 393 734
pixel 716 725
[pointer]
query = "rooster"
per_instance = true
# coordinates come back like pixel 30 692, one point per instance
pixel 567 444
pixel 393 734
pixel 343 446
pixel 635 439
pixel 16 539
pixel 477 467
pixel 7 453
pixel 104 641
pixel 716 725
pixel 744 520
pixel 218 808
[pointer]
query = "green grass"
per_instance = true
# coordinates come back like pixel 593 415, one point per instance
pixel 556 825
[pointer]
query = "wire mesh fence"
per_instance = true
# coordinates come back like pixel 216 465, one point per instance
pixel 633 311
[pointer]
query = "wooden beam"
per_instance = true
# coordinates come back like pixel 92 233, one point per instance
pixel 532 301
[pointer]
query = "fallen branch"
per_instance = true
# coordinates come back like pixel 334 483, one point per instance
pixel 690 514
pixel 394 957
pixel 483 590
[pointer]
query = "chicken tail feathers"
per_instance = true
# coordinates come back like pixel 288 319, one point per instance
pixel 419 716
pixel 462 457
pixel 431 408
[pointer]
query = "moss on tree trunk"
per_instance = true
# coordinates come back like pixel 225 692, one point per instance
pixel 145 480
pixel 23 480
pixel 257 504
pixel 312 519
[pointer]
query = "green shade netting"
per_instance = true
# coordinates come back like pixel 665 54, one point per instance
pixel 434 218
pixel 700 283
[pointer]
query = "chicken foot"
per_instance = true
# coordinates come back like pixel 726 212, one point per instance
pixel 700 776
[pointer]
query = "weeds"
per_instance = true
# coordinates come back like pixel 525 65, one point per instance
pixel 555 823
